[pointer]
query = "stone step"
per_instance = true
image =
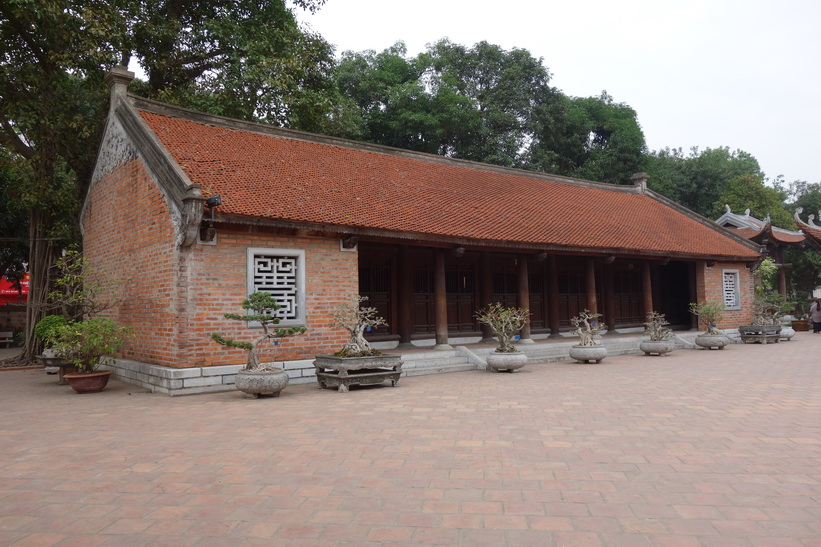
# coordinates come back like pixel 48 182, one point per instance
pixel 438 369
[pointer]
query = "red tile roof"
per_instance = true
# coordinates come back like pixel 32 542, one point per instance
pixel 768 232
pixel 273 177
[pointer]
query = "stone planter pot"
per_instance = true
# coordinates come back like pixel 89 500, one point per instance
pixel 91 382
pixel 787 333
pixel 506 361
pixel 261 382
pixel 343 372
pixel 710 341
pixel 656 347
pixel 585 354
pixel 57 364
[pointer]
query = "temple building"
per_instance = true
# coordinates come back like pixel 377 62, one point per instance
pixel 192 212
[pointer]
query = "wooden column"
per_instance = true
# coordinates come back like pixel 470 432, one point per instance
pixel 646 288
pixel 553 296
pixel 405 298
pixel 590 286
pixel 440 302
pixel 782 281
pixel 485 292
pixel 523 286
pixel 609 317
pixel 693 289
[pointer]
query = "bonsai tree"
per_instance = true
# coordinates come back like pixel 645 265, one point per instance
pixel 504 322
pixel 769 307
pixel 260 307
pixel 46 329
pixel 587 327
pixel 656 327
pixel 84 343
pixel 709 315
pixel 355 318
pixel 79 292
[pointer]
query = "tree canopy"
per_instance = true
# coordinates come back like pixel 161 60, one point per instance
pixel 486 104
pixel 698 180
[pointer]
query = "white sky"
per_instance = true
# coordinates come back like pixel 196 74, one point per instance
pixel 742 74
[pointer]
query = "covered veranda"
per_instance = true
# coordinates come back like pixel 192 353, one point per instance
pixel 434 292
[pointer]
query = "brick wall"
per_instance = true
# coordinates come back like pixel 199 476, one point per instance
pixel 709 287
pixel 213 278
pixel 129 236
pixel 174 298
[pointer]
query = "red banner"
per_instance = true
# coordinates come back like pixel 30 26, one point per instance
pixel 9 294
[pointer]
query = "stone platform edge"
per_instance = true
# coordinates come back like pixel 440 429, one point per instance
pixel 194 380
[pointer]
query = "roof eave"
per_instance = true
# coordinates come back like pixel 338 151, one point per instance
pixel 435 240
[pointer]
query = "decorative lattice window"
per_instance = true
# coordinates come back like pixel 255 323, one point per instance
pixel 280 272
pixel 730 289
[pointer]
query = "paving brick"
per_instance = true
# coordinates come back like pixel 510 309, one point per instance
pixel 696 448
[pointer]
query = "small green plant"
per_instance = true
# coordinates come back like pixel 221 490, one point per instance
pixel 79 292
pixel 355 318
pixel 46 329
pixel 588 326
pixel 84 343
pixel 504 322
pixel 260 308
pixel 709 315
pixel 656 327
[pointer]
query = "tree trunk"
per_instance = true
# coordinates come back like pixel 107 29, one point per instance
pixel 42 254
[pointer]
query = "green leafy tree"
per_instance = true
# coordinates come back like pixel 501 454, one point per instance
pixel 502 89
pixel 239 58
pixel 393 106
pixel 51 110
pixel 750 192
pixel 698 180
pixel 602 140
pixel 235 57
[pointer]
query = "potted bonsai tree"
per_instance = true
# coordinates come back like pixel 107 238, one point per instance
pixel 504 323
pixel 80 336
pixel 588 326
pixel 46 330
pixel 357 363
pixel 709 315
pixel 660 342
pixel 258 378
pixel 85 344
pixel 767 313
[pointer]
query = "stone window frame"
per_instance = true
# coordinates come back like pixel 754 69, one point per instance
pixel 736 277
pixel 299 254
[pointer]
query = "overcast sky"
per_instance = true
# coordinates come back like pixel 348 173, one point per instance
pixel 742 74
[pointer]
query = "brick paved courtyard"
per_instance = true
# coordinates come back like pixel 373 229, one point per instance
pixel 700 448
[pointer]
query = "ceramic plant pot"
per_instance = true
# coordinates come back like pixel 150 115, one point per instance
pixel 91 382
pixel 585 354
pixel 656 347
pixel 710 341
pixel 506 361
pixel 262 382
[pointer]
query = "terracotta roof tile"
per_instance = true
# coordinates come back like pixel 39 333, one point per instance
pixel 273 177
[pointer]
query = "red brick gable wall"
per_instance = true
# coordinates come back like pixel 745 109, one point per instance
pixel 709 287
pixel 174 298
pixel 213 278
pixel 129 237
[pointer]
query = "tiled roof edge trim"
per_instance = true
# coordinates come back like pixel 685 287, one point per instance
pixel 155 153
pixel 164 109
pixel 185 195
pixel 706 221
pixel 514 246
